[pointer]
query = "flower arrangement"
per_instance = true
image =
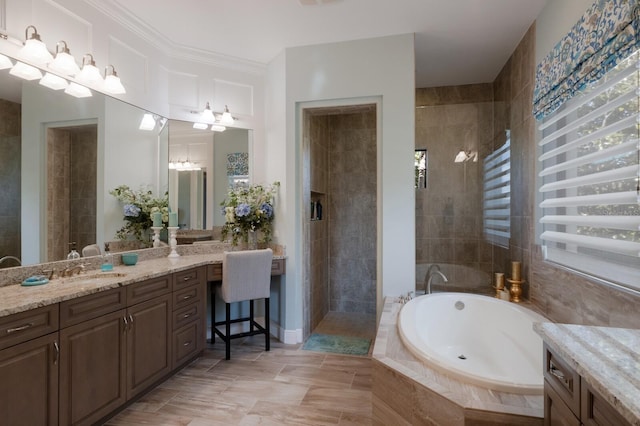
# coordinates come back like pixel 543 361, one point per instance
pixel 249 209
pixel 138 209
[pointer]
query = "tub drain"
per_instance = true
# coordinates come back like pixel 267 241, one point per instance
pixel 462 356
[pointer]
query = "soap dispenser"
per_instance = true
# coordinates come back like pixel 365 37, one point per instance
pixel 73 254
pixel 107 259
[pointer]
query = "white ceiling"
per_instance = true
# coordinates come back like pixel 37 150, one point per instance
pixel 457 41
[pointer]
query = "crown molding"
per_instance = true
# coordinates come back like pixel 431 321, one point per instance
pixel 146 32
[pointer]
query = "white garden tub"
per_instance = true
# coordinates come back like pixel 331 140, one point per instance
pixel 476 339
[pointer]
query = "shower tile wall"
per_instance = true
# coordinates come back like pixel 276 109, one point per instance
pixel 449 210
pixel 71 188
pixel 318 129
pixel 352 212
pixel 10 167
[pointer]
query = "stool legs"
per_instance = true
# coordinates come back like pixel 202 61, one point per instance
pixel 227 340
pixel 213 315
pixel 267 322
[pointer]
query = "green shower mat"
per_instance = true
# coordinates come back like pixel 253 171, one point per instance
pixel 346 345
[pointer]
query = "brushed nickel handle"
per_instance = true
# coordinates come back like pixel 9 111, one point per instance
pixel 186 278
pixel 19 328
pixel 56 356
pixel 186 315
pixel 186 344
pixel 187 297
pixel 559 374
pixel 126 323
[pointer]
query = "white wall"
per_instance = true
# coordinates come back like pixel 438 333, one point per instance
pixel 338 73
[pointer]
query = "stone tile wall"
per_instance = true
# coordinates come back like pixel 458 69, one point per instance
pixel 351 212
pixel 10 169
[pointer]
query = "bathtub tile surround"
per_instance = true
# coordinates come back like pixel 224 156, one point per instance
pixel 606 358
pixel 406 391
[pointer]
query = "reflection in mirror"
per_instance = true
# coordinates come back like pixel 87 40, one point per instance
pixel 203 164
pixel 60 157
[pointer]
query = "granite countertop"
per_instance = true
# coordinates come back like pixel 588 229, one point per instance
pixel 607 358
pixel 16 298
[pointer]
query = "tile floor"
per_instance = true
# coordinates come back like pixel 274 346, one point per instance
pixel 286 386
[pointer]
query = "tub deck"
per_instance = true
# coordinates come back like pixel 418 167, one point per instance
pixel 407 391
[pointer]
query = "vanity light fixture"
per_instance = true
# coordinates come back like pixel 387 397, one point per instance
pixel 5 62
pixel 218 128
pixel 27 72
pixel 64 62
pixel 77 90
pixel 34 50
pixel 54 82
pixel 226 118
pixel 89 74
pixel 148 122
pixel 200 126
pixel 112 83
pixel 207 115
pixel 183 166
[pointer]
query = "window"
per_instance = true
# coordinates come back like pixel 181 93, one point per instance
pixel 420 168
pixel 589 170
pixel 496 205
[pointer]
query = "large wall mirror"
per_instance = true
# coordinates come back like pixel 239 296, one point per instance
pixel 203 166
pixel 61 156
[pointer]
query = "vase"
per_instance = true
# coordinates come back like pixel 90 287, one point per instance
pixel 252 240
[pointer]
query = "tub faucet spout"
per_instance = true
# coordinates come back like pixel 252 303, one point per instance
pixel 430 276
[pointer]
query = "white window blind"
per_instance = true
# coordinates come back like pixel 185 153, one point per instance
pixel 496 209
pixel 590 179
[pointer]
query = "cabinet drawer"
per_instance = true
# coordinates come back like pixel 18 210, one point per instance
pixel 188 314
pixel 23 326
pixel 92 306
pixel 277 267
pixel 188 295
pixel 563 379
pixel 148 289
pixel 189 277
pixel 596 410
pixel 214 272
pixel 187 342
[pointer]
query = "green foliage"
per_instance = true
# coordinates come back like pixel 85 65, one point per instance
pixel 138 208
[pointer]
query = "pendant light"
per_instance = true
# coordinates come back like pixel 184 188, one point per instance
pixel 54 82
pixel 77 90
pixel 64 62
pixel 5 62
pixel 112 83
pixel 89 74
pixel 27 72
pixel 34 50
pixel 226 118
pixel 207 115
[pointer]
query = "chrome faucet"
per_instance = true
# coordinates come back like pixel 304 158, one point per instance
pixel 71 270
pixel 433 270
pixel 6 258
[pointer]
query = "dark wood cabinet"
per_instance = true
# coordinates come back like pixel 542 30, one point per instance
pixel 92 368
pixel 79 361
pixel 29 382
pixel 148 343
pixel 569 400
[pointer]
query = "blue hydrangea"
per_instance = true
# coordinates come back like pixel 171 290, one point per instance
pixel 131 210
pixel 267 209
pixel 243 210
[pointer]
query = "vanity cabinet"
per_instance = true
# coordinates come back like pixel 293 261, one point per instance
pixel 29 382
pixel 189 314
pixel 569 400
pixel 77 362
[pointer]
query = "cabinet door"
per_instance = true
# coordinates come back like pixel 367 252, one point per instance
pixel 92 369
pixel 29 382
pixel 148 343
pixel 556 412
